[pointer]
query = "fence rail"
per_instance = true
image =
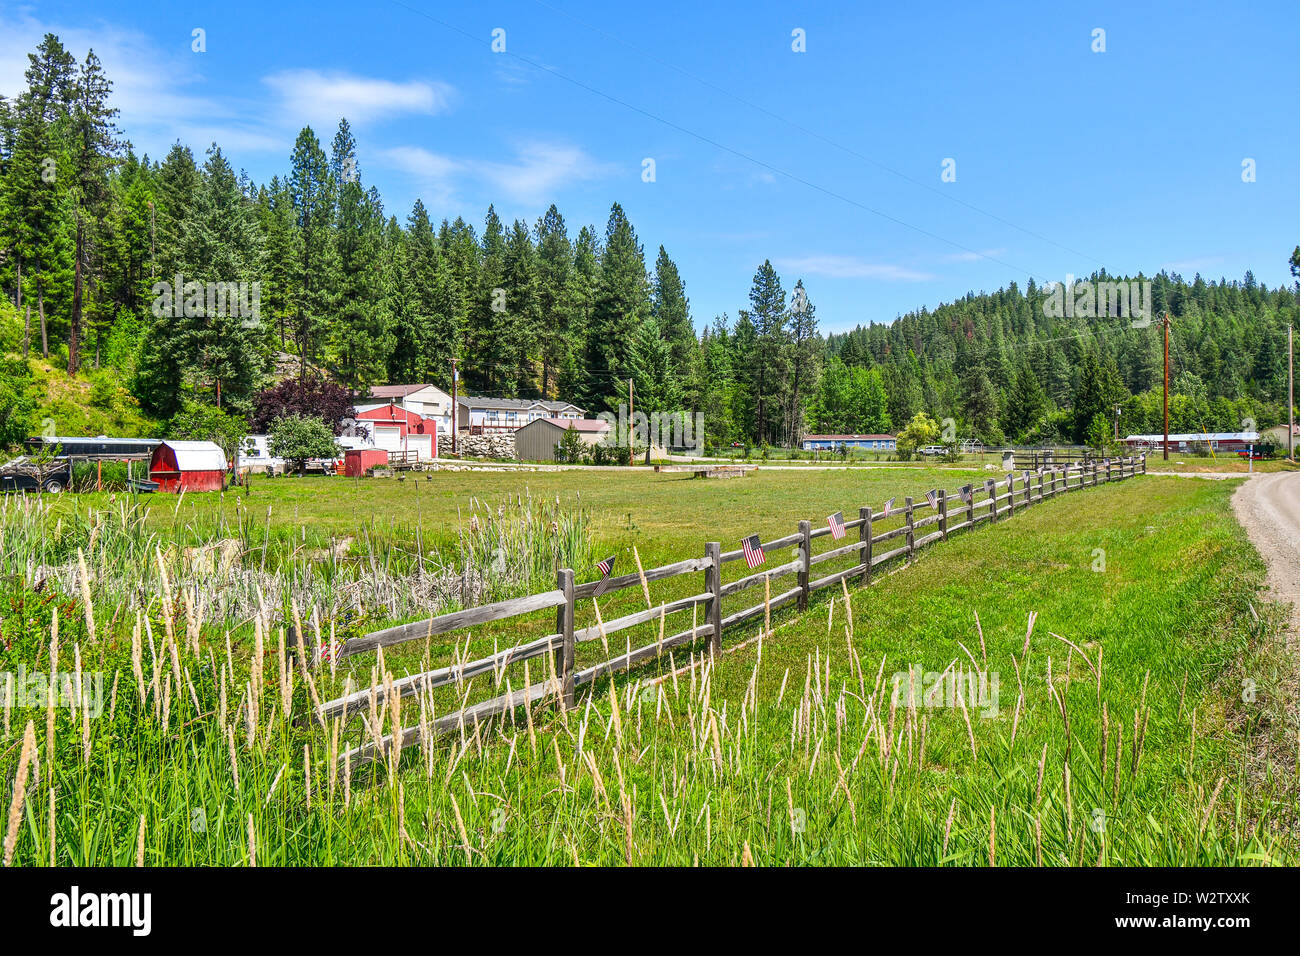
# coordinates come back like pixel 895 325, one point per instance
pixel 1003 497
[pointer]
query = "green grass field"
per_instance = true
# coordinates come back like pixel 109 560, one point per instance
pixel 1161 738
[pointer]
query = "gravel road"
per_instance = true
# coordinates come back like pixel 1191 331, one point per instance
pixel 1268 507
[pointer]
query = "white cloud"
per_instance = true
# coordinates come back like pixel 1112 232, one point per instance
pixel 851 267
pixel 1194 265
pixel 323 98
pixel 433 173
pixel 535 177
pixel 541 170
pixel 975 256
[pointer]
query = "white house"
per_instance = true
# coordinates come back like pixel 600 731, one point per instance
pixel 494 416
pixel 254 455
pixel 428 401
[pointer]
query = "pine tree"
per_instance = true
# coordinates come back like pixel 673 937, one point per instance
pixel 805 361
pixel 521 325
pixel 621 304
pixel 92 150
pixel 771 356
pixel 315 274
pixel 654 376
pixel 555 295
pixel 672 312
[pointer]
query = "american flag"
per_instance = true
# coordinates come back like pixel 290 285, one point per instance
pixel 889 506
pixel 836 521
pixel 933 498
pixel 604 567
pixel 967 493
pixel 753 549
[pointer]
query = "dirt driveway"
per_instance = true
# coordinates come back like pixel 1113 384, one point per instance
pixel 1268 507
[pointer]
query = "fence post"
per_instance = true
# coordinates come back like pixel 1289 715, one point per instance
pixel 970 509
pixel 991 489
pixel 1144 464
pixel 805 531
pixel 1029 488
pixel 564 627
pixel 713 584
pixel 864 553
pixel 911 536
pixel 1108 474
pixel 943 514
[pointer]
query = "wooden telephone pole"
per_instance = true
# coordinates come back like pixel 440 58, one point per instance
pixel 455 405
pixel 1290 396
pixel 1166 441
pixel 631 429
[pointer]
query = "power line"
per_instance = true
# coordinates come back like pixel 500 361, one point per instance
pixel 793 177
pixel 814 134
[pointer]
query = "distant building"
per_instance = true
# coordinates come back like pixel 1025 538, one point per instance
pixel 496 416
pixel 427 401
pixel 188 466
pixel 1278 434
pixel 833 442
pixel 397 429
pixel 1216 441
pixel 537 440
pixel 254 455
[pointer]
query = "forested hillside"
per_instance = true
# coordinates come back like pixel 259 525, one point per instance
pixel 315 279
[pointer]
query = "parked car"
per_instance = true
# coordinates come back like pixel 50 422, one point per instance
pixel 26 474
pixel 934 450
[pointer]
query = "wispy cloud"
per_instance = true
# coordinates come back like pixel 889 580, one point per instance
pixel 537 174
pixel 851 267
pixel 324 97
pixel 541 169
pixel 1195 264
pixel 975 256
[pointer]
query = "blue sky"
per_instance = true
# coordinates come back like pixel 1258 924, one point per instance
pixel 828 161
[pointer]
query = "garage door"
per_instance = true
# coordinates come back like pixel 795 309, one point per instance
pixel 388 437
pixel 420 445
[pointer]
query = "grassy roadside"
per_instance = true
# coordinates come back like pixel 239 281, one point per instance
pixel 754 759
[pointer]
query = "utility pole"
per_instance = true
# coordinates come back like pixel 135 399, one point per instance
pixel 631 429
pixel 1117 424
pixel 1290 396
pixel 455 405
pixel 1166 442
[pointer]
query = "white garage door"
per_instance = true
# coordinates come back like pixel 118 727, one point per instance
pixel 388 437
pixel 420 445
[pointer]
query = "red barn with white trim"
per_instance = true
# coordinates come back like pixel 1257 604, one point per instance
pixel 394 428
pixel 188 466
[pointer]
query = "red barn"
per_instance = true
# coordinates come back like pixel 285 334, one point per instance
pixel 394 428
pixel 188 466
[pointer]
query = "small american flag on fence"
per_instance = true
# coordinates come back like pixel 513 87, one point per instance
pixel 836 521
pixel 933 498
pixel 967 493
pixel 604 567
pixel 753 549
pixel 889 507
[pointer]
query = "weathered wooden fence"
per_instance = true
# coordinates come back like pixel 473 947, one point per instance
pixel 1001 499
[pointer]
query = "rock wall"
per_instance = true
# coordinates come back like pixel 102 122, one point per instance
pixel 498 447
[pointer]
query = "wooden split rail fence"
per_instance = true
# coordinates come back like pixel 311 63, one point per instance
pixel 1002 498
